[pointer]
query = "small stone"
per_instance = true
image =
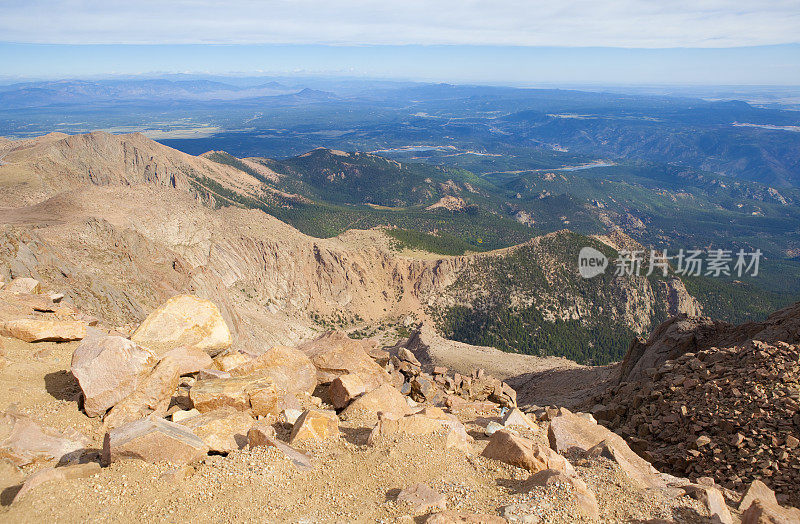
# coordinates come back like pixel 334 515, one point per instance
pixel 515 417
pixel 180 416
pixel 492 427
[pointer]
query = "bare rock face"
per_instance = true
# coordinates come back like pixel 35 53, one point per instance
pixel 684 334
pixel 422 499
pixel 524 453
pixel 151 397
pixel 254 393
pixel 315 425
pixel 336 354
pixel 27 286
pixel 43 330
pixel 109 369
pixel 344 389
pixel 223 430
pixel 290 369
pixel 585 499
pixel 23 441
pixel 185 320
pixel 385 399
pixel 153 439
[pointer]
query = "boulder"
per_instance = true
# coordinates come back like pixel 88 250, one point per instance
pixel 344 389
pixel 422 499
pixel 427 422
pixel 335 354
pixel 568 431
pixel 584 498
pixel 189 360
pixel 253 393
pixel 761 512
pixel 635 467
pixel 23 441
pixel 757 491
pixel 260 435
pixel 454 517
pixel 182 415
pixel 524 453
pixel 384 399
pixel 23 286
pixel 231 360
pixel 290 369
pixel 184 320
pixel 43 476
pixel 315 425
pixel 109 369
pixel 223 430
pixel 151 397
pixel 153 439
pixel 715 503
pixel 515 417
pixel 43 330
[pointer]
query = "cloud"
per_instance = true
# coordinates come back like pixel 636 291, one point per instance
pixel 570 23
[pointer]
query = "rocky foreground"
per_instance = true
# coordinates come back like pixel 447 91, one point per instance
pixel 171 421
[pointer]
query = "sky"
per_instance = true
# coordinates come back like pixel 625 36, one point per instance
pixel 620 41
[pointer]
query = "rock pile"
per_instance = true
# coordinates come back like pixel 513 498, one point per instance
pixel 728 413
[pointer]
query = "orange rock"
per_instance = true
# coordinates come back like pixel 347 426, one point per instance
pixel 315 425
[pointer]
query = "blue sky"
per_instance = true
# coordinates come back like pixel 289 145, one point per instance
pixel 501 41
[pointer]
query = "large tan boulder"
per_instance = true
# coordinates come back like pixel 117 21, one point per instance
pixel 585 500
pixel 385 399
pixel 524 453
pixel 184 320
pixel 344 389
pixel 153 439
pixel 335 354
pixel 189 359
pixel 315 425
pixel 568 431
pixel 23 286
pixel 43 330
pixel 290 369
pixel 757 490
pixel 151 397
pixel 223 430
pixel 430 421
pixel 254 393
pixel 714 502
pixel 761 512
pixel 24 441
pixel 109 369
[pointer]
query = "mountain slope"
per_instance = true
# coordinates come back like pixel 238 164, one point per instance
pixel 119 232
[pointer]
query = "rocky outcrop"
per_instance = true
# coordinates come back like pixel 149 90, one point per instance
pixel 708 399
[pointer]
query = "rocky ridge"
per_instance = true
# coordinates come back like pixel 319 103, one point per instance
pixel 707 399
